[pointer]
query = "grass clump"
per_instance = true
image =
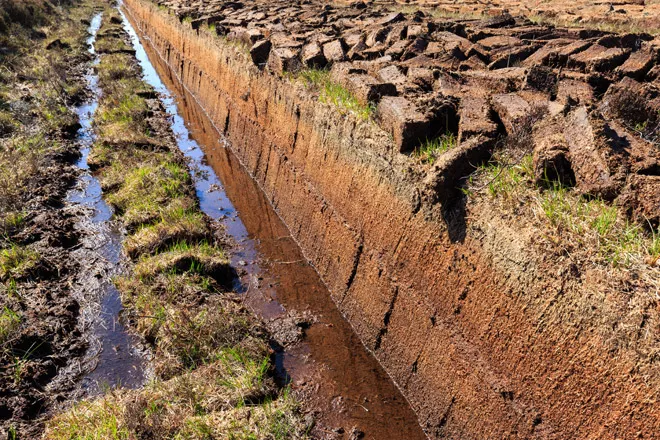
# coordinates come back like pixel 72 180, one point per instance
pixel 16 262
pixel 431 149
pixel 333 93
pixel 100 419
pixel 11 220
pixel 195 405
pixel 9 323
pixel 151 191
pixel 588 224
pixel 176 225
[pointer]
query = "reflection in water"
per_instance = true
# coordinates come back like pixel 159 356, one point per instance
pixel 350 388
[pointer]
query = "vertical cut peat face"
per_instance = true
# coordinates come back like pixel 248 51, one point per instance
pixel 329 365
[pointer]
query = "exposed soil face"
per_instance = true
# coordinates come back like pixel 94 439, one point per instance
pixel 313 343
pixel 496 319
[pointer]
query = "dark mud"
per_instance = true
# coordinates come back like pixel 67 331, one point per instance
pixel 40 362
pixel 317 352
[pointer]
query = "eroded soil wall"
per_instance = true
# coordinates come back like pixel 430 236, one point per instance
pixel 468 320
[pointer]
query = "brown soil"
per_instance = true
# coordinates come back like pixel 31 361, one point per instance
pixel 491 326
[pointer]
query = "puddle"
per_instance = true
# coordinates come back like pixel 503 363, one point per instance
pixel 341 378
pixel 112 359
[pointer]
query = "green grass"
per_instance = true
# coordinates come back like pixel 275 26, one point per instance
pixel 431 149
pixel 591 225
pixel 12 220
pixel 618 241
pixel 189 225
pixel 9 322
pixel 507 181
pixel 333 93
pixel 16 262
pixel 96 420
pixel 148 186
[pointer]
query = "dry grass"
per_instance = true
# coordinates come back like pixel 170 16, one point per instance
pixel 624 26
pixel 196 405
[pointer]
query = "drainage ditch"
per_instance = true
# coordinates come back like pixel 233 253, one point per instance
pixel 329 365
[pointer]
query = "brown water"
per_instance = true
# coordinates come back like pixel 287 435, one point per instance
pixel 330 366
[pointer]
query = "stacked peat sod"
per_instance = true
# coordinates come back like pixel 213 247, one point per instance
pixel 482 79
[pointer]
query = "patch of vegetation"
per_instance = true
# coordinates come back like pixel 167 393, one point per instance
pixel 12 220
pixel 20 158
pixel 175 225
pixel 195 405
pixel 100 419
pixel 618 27
pixel 16 262
pixel 7 123
pixel 431 149
pixel 586 223
pixel 333 93
pixel 9 322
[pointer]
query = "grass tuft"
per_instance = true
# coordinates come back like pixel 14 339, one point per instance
pixel 333 93
pixel 431 149
pixel 590 225
pixel 16 262
pixel 9 323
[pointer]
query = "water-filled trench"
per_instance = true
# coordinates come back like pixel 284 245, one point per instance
pixel 341 380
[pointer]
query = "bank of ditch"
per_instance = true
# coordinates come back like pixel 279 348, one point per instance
pixel 211 357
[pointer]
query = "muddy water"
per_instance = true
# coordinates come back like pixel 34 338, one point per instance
pixel 329 366
pixel 111 360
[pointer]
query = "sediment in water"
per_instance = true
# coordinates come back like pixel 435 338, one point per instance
pixel 485 335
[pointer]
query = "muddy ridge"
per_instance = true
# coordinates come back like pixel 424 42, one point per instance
pixel 489 327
